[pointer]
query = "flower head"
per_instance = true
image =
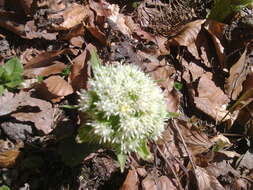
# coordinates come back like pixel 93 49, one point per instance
pixel 125 108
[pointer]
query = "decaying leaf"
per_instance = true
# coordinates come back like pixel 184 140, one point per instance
pixel 207 181
pixel 72 16
pixel 44 59
pixel 210 99
pixel 131 181
pixel 237 76
pixel 55 67
pixel 54 88
pixel 8 158
pixel 40 112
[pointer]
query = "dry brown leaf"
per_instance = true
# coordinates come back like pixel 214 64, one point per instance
pixel 45 58
pixel 9 158
pixel 72 16
pixel 54 68
pixel 42 117
pixel 149 183
pixel 32 32
pixel 216 29
pixel 131 181
pixel 164 183
pixel 54 88
pixel 196 140
pixel 210 99
pixel 78 76
pixel 207 181
pixel 40 112
pixel 187 35
pixel 237 76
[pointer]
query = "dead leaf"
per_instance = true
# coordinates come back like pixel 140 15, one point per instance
pixel 131 181
pixel 207 181
pixel 149 184
pixel 210 99
pixel 187 35
pixel 41 113
pixel 54 68
pixel 196 140
pixel 54 88
pixel 164 183
pixel 72 16
pixel 45 59
pixel 9 158
pixel 237 76
pixel 78 76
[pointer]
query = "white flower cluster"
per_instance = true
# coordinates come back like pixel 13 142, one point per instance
pixel 124 106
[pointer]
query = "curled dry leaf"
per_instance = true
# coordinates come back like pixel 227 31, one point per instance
pixel 237 76
pixel 45 58
pixel 78 75
pixel 210 99
pixel 187 35
pixel 216 30
pixel 54 68
pixel 131 181
pixel 54 88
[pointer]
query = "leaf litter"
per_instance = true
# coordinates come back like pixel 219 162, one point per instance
pixel 204 68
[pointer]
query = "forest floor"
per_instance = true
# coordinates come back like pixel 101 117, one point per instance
pixel 203 67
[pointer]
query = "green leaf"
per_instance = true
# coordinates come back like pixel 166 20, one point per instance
pixel 66 71
pixel 95 63
pixel 1 71
pixel 143 151
pixel 4 187
pixel 70 106
pixel 13 67
pixel 223 8
pixel 173 115
pixel 1 90
pixel 122 161
pixel 13 84
pixel 178 86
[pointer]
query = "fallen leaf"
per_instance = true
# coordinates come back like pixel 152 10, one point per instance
pixel 196 140
pixel 78 75
pixel 131 181
pixel 54 88
pixel 210 99
pixel 164 183
pixel 45 59
pixel 9 158
pixel 207 181
pixel 72 16
pixel 237 76
pixel 54 68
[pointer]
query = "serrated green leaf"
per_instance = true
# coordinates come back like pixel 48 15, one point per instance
pixel 143 151
pixel 122 161
pixel 95 63
pixel 1 90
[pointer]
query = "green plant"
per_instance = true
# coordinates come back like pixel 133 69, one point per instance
pixel 11 75
pixel 124 108
pixel 223 8
pixel 4 187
